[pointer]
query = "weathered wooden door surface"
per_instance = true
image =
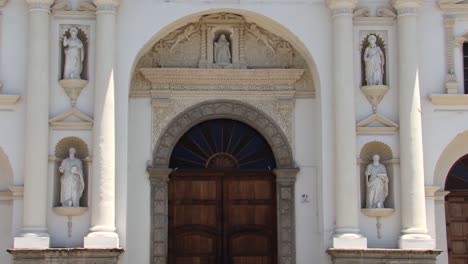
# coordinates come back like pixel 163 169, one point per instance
pixel 456 208
pixel 222 217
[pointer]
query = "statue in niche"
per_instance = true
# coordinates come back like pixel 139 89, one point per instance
pixel 374 62
pixel 72 181
pixel 221 51
pixel 74 55
pixel 260 36
pixel 377 183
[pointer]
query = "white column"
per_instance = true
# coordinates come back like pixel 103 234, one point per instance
pixel 102 233
pixel 413 208
pixel 347 202
pixel 34 232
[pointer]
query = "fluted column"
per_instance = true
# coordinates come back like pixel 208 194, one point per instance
pixel 347 202
pixel 34 232
pixel 103 233
pixel 413 208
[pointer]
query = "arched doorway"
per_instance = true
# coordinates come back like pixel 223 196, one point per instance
pixel 267 133
pixel 222 196
pixel 456 211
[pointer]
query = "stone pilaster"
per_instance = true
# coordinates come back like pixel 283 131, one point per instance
pixel 34 232
pixel 347 204
pixel 451 84
pixel 159 178
pixel 413 209
pixel 103 233
pixel 285 179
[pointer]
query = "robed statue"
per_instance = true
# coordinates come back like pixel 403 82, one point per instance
pixel 72 181
pixel 74 55
pixel 377 184
pixel 374 61
pixel 222 52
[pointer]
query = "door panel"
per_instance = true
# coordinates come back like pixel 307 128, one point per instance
pixel 222 217
pixel 457 227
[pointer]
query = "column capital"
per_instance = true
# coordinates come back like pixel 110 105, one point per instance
pixel 40 4
pixel 407 7
pixel 106 5
pixel 449 21
pixel 341 6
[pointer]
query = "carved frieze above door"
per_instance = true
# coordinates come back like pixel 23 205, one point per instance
pixel 222 41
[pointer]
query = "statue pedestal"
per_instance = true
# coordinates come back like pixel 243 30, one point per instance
pixel 70 211
pixel 378 212
pixel 73 88
pixel 374 94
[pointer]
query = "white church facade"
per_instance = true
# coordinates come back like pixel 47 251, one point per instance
pixel 234 131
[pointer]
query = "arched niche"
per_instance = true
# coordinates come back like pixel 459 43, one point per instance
pixel 61 152
pixel 386 158
pixel 6 172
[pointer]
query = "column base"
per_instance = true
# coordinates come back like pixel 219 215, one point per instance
pixel 416 241
pixel 101 240
pixel 31 242
pixel 349 241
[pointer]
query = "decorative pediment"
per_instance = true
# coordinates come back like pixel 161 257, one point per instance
pixel 222 49
pixel 72 119
pixel 376 124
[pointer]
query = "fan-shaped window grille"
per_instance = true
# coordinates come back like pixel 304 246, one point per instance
pixel 458 176
pixel 222 144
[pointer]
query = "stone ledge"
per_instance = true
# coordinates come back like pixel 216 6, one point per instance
pixel 382 256
pixel 449 99
pixel 66 255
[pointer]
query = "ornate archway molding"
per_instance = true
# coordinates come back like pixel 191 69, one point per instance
pixel 285 172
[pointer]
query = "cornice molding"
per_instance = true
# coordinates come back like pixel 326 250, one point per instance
pixel 222 76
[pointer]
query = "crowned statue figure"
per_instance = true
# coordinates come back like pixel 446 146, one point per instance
pixel 222 51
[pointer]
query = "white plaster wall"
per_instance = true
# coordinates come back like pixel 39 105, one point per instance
pixel 138 187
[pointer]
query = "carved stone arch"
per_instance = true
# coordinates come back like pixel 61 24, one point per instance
pixel 224 109
pixel 285 172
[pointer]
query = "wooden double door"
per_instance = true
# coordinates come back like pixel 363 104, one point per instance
pixel 218 217
pixel 456 207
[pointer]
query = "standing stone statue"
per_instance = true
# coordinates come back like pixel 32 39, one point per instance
pixel 74 55
pixel 374 62
pixel 222 52
pixel 72 182
pixel 377 184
